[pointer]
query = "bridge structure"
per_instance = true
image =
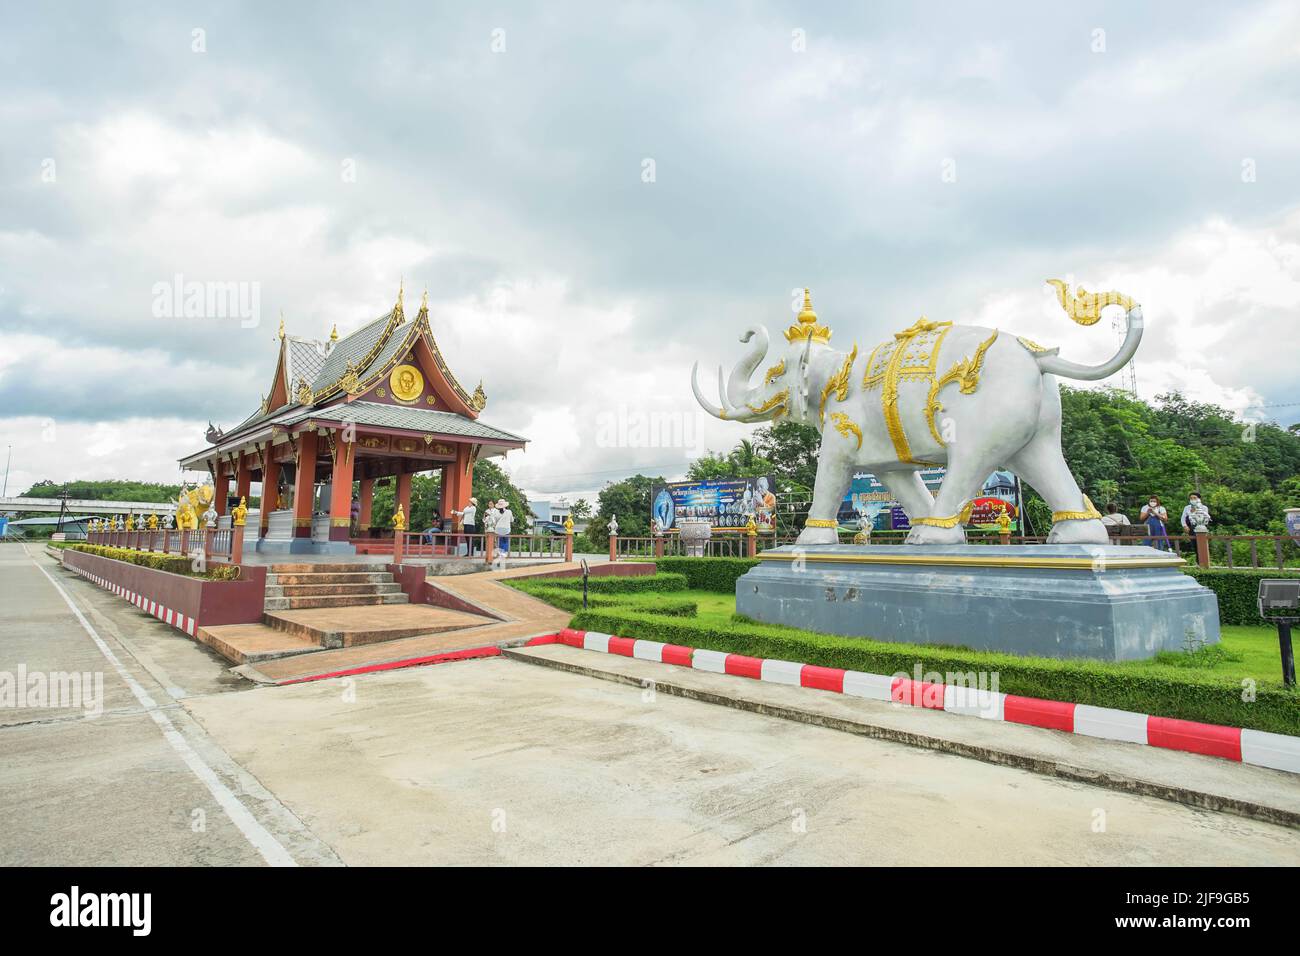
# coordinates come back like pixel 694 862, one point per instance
pixel 83 506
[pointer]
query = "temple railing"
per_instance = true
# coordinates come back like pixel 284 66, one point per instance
pixel 1254 551
pixel 447 545
pixel 210 544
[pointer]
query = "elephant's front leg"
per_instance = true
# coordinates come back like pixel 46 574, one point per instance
pixel 834 473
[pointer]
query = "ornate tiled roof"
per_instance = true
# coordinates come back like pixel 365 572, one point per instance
pixel 379 415
pixel 355 348
pixel 316 374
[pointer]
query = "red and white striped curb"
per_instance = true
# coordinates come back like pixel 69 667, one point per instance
pixel 165 614
pixel 1264 749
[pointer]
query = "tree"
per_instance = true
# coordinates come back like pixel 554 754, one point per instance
pixel 790 450
pixel 491 483
pixel 629 500
pixel 581 510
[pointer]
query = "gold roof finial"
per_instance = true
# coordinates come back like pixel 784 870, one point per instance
pixel 334 333
pixel 280 334
pixel 399 314
pixel 806 326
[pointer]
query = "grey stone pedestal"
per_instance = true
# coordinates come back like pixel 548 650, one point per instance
pixel 1109 602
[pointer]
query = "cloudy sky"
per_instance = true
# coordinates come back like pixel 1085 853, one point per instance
pixel 597 195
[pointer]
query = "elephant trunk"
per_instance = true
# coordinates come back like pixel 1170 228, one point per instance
pixel 739 392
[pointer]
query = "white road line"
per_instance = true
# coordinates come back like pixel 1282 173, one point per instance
pixel 261 840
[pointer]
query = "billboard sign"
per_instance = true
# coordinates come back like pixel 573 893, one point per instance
pixel 868 498
pixel 726 504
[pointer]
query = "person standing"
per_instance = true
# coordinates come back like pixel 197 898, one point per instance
pixel 504 520
pixel 469 523
pixel 1194 507
pixel 1154 517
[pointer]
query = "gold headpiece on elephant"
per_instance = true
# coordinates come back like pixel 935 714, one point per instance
pixel 806 325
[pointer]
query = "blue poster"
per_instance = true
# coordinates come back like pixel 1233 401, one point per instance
pixel 726 504
pixel 868 498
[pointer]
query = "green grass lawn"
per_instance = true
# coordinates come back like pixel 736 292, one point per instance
pixel 1237 682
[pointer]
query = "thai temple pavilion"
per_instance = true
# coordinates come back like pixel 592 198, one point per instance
pixel 378 405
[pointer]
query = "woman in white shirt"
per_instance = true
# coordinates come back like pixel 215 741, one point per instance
pixel 469 522
pixel 503 522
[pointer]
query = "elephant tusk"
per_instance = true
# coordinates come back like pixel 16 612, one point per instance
pixel 708 406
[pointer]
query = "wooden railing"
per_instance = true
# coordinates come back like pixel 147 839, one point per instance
pixel 443 545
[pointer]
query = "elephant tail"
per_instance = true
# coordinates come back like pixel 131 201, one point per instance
pixel 1053 364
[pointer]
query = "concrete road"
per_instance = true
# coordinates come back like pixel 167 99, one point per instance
pixel 496 761
pixel 123 776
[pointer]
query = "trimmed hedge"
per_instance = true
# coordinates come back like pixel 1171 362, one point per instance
pixel 707 574
pixel 1195 696
pixel 172 563
pixel 615 584
pixel 1238 590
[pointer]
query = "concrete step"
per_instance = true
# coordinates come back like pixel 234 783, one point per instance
pixel 251 643
pixel 340 567
pixel 316 590
pixel 352 626
pixel 344 600
pixel 331 577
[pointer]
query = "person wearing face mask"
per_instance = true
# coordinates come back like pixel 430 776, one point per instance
pixel 1194 506
pixel 1154 517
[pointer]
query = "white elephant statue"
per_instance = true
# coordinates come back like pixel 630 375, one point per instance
pixel 973 399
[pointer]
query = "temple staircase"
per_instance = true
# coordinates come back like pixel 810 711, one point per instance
pixel 291 587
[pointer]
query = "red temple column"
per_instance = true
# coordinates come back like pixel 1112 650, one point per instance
pixel 270 492
pixel 220 488
pixel 341 492
pixel 366 498
pixel 304 485
pixel 244 477
pixel 446 475
pixel 403 496
pixel 462 480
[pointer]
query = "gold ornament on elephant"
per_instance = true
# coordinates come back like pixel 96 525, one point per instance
pixel 1088 514
pixel 847 427
pixel 1085 307
pixel 838 384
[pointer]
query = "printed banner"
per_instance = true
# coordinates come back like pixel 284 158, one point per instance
pixel 726 504
pixel 869 499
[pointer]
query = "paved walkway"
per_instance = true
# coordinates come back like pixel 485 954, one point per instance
pixel 520 617
pixel 500 762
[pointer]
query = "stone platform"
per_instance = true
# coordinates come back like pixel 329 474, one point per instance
pixel 1108 602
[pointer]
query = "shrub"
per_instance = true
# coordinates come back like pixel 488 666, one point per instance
pixel 1237 590
pixel 615 584
pixel 1200 695
pixel 171 563
pixel 708 574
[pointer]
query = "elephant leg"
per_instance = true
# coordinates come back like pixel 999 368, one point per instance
pixel 1042 465
pixel 909 490
pixel 834 473
pixel 963 480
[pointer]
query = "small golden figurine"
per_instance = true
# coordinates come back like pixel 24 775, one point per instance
pixel 153 522
pixel 130 522
pixel 1003 521
pixel 239 512
pixel 399 519
pixel 568 524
